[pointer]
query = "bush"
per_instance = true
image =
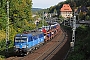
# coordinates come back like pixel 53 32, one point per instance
pixel 82 44
pixel 2 34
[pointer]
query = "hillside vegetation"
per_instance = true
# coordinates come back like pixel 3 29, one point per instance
pixel 20 19
pixel 82 44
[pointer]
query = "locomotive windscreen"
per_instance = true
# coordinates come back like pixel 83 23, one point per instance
pixel 21 39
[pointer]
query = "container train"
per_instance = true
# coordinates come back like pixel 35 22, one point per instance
pixel 29 41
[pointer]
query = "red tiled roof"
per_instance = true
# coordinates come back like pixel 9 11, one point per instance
pixel 66 7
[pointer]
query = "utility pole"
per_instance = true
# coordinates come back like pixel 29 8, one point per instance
pixel 43 19
pixel 74 29
pixel 7 27
pixel 50 18
pixel 70 21
pixel 73 34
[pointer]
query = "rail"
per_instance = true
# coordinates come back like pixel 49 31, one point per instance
pixel 46 57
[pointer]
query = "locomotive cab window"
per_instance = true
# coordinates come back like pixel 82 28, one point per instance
pixel 17 39
pixel 24 39
pixel 20 39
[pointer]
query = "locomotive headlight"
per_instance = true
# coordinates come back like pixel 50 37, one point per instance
pixel 15 49
pixel 27 45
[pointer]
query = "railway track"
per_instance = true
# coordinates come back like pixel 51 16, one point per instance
pixel 47 51
pixel 54 49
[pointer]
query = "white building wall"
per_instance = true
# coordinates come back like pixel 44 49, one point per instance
pixel 66 14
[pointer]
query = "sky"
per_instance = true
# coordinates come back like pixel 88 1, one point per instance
pixel 45 3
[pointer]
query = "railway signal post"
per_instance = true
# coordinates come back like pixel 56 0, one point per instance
pixel 73 34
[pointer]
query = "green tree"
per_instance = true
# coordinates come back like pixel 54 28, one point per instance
pixel 20 10
pixel 3 15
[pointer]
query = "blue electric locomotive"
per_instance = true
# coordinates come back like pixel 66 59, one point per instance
pixel 26 42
